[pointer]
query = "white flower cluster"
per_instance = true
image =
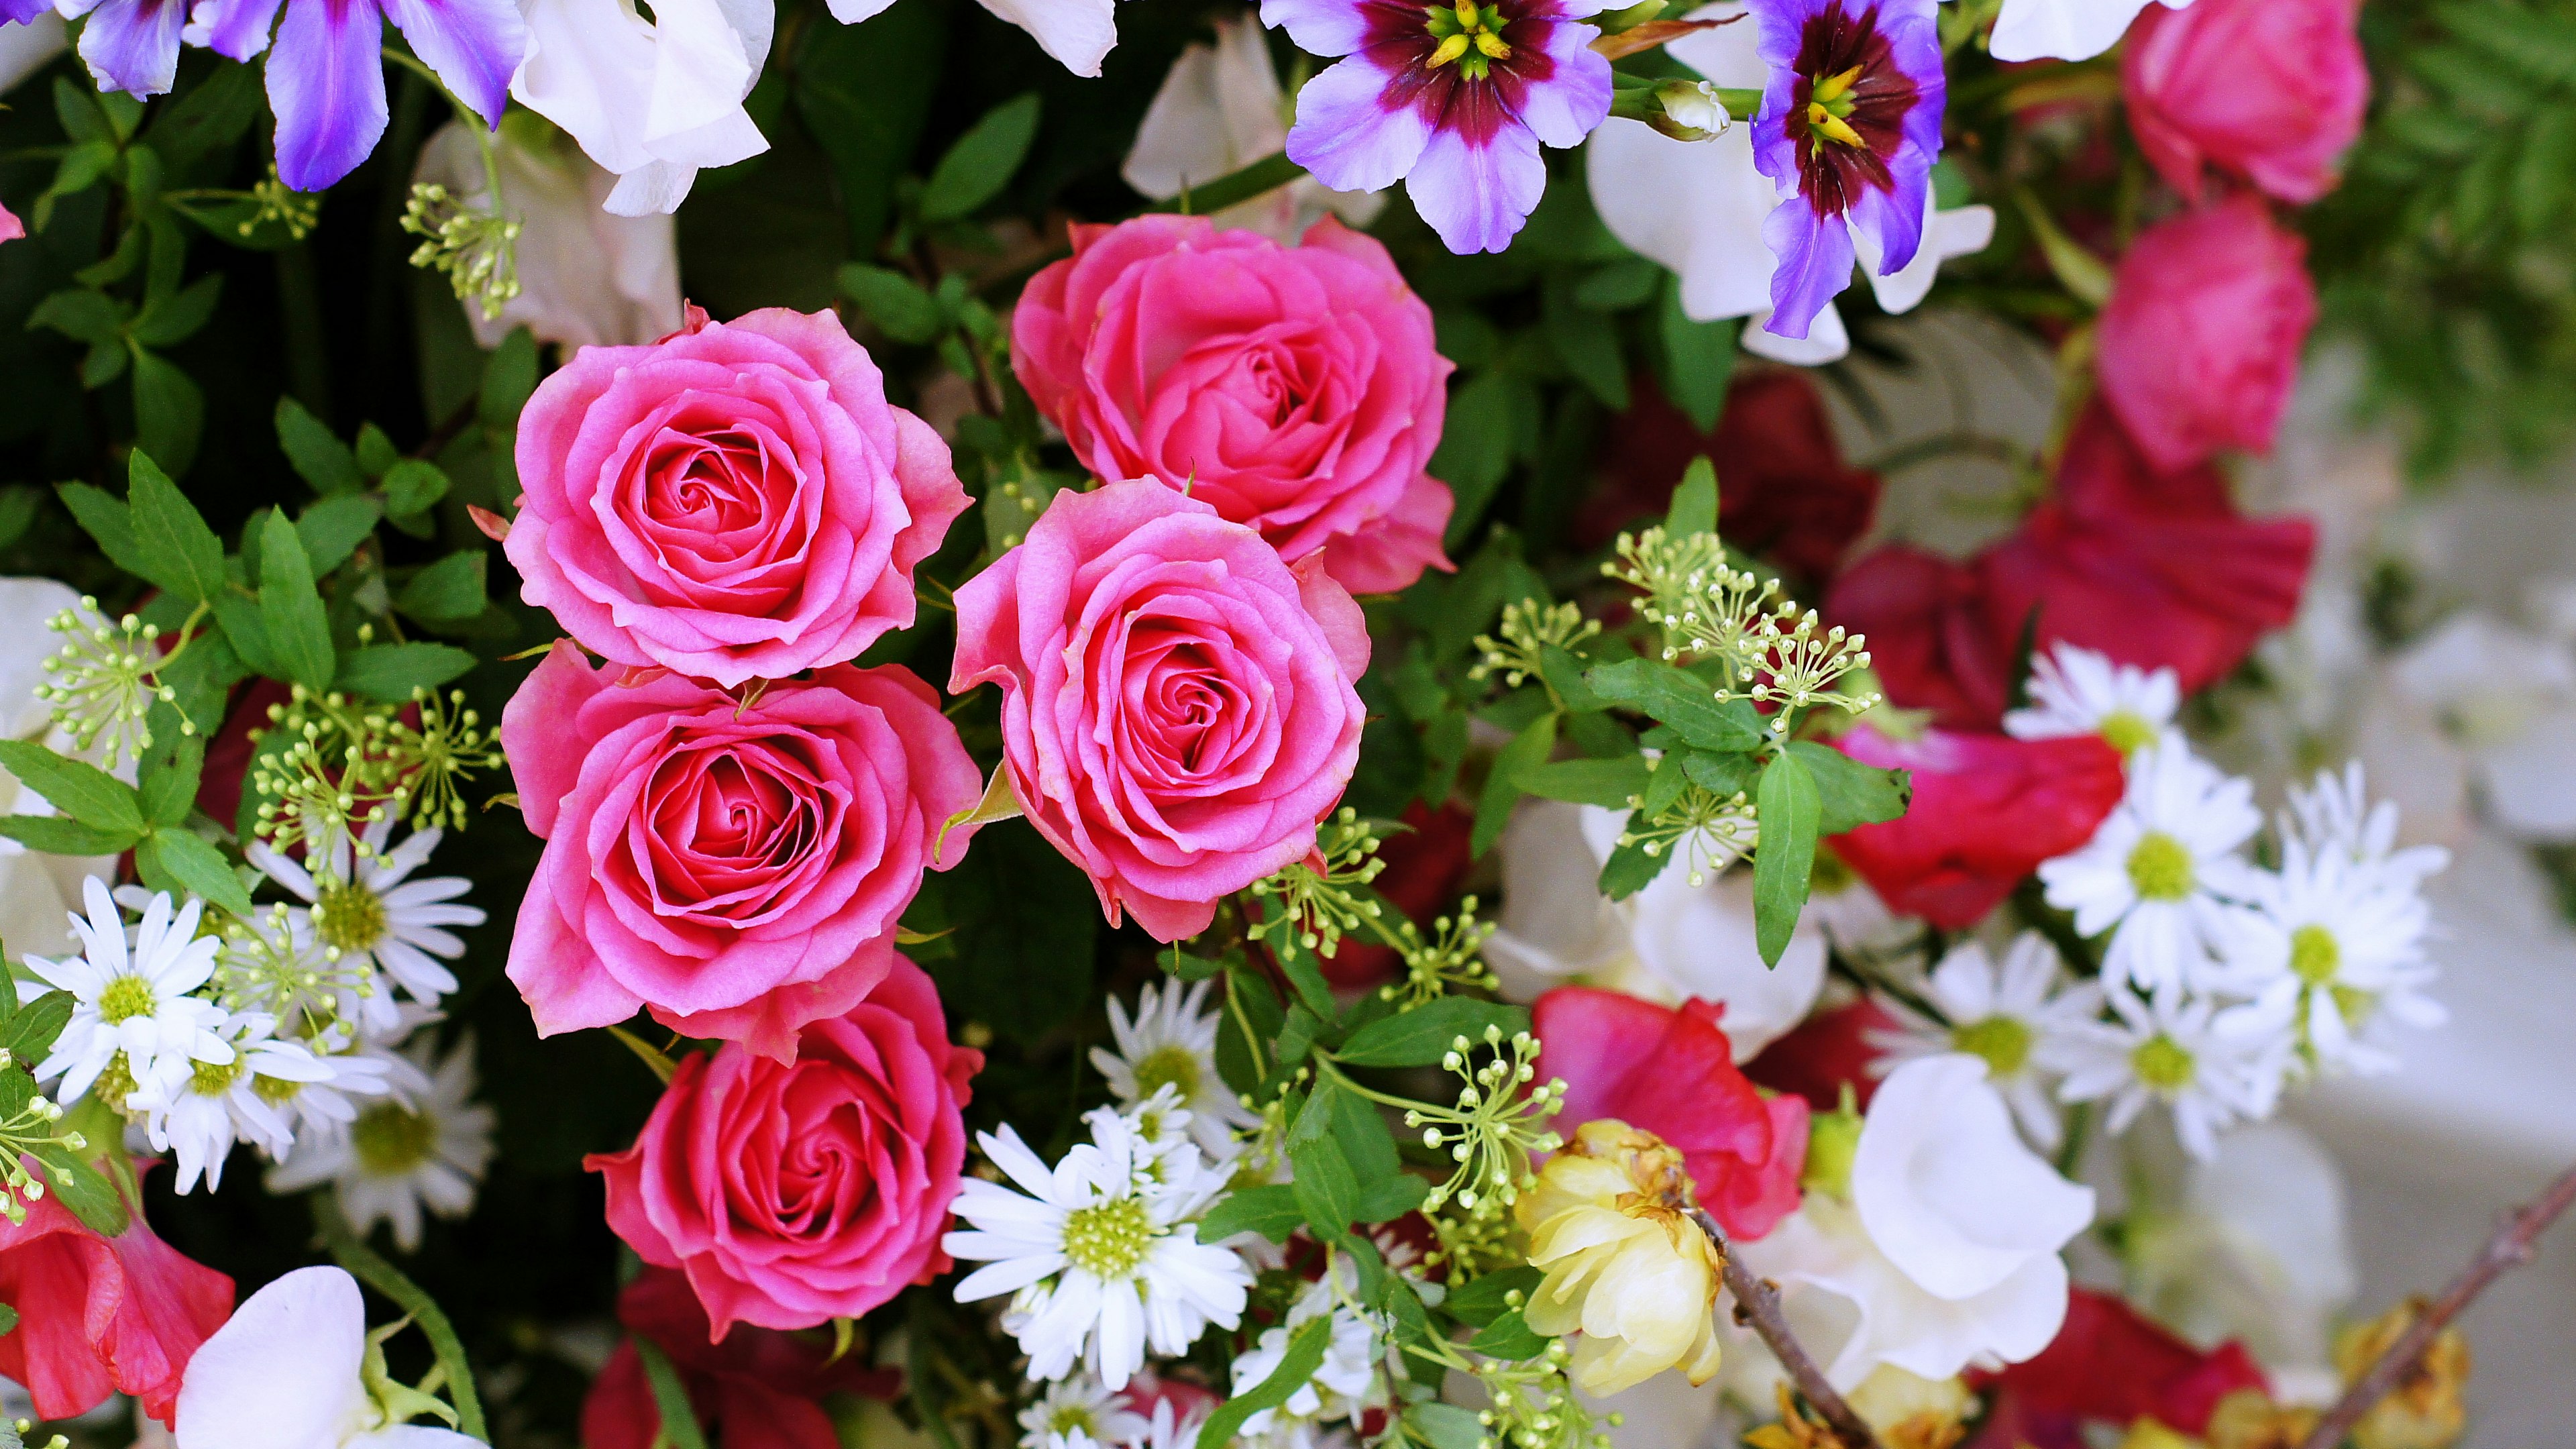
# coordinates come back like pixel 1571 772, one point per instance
pixel 293 1031
pixel 2225 979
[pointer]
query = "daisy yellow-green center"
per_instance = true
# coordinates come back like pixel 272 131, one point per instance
pixel 125 998
pixel 2002 1041
pixel 2128 733
pixel 2160 867
pixel 2162 1063
pixel 211 1080
pixel 391 1139
pixel 1168 1066
pixel 348 917
pixel 1108 1241
pixel 2315 955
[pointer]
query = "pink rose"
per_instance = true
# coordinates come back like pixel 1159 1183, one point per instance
pixel 2271 90
pixel 1177 709
pixel 736 865
pixel 2200 342
pixel 736 501
pixel 1293 387
pixel 815 1187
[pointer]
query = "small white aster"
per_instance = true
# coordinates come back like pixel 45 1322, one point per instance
pixel 1345 1386
pixel 363 903
pixel 1171 1041
pixel 2019 1018
pixel 2078 691
pixel 131 999
pixel 197 1115
pixel 1167 1430
pixel 2335 817
pixel 1100 1254
pixel 2165 1048
pixel 2161 868
pixel 425 1149
pixel 2332 950
pixel 1078 1412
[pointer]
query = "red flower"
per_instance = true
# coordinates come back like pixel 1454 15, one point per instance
pixel 1672 1073
pixel 2110 1365
pixel 1929 635
pixel 760 1387
pixel 1987 810
pixel 1783 489
pixel 1424 868
pixel 1829 1051
pixel 101 1315
pixel 2154 569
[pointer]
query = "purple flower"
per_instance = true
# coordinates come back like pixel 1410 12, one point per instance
pixel 1849 128
pixel 1453 100
pixel 326 80
pixel 129 45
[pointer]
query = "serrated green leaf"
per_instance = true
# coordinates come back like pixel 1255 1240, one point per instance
pixel 893 301
pixel 1788 806
pixel 176 861
pixel 1270 1211
pixel 55 835
pixel 455 587
pixel 82 791
pixel 390 672
pixel 83 1186
pixel 1719 774
pixel 1631 868
pixel 318 457
pixel 1680 699
pixel 1527 750
pixel 1694 507
pixel 975 170
pixel 1384 1199
pixel 1509 1338
pixel 171 540
pixel 412 486
pixel 1327 1191
pixel 167 785
pixel 290 608
pixel 169 323
pixel 1420 1037
pixel 1486 1298
pixel 1853 794
pixel 30 1034
pixel 333 528
pixel 1445 1426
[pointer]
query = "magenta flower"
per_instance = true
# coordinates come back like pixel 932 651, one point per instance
pixel 1849 128
pixel 1451 100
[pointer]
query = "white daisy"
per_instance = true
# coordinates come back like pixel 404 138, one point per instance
pixel 2336 818
pixel 131 1000
pixel 1079 1413
pixel 2164 1048
pixel 2018 1018
pixel 2332 948
pixel 1345 1386
pixel 1099 1254
pixel 198 1115
pixel 1167 1430
pixel 1171 1041
pixel 368 907
pixel 427 1149
pixel 2161 868
pixel 331 1105
pixel 2078 691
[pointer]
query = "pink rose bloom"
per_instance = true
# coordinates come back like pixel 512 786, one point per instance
pixel 1177 709
pixel 1293 387
pixel 2270 90
pixel 737 501
pixel 735 865
pixel 2200 342
pixel 815 1187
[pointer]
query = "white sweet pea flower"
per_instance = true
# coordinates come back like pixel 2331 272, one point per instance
pixel 1946 1251
pixel 1667 943
pixel 653 101
pixel 2507 697
pixel 1219 110
pixel 587 277
pixel 2063 29
pixel 1697 207
pixel 37 891
pixel 289 1370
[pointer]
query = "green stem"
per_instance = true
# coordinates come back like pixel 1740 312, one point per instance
pixel 1243 1023
pixel 2079 1122
pixel 371 1269
pixel 670 1397
pixel 1265 175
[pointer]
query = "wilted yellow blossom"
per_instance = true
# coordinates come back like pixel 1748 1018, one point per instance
pixel 1909 1411
pixel 1610 1225
pixel 2424 1410
pixel 2246 1419
pixel 2150 1433
pixel 1795 1429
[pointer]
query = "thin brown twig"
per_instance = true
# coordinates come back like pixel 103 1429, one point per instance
pixel 1758 1303
pixel 2513 1244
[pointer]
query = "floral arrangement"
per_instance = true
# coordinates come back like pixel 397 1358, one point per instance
pixel 1126 788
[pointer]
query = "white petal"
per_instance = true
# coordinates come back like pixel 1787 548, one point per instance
pixel 282 1373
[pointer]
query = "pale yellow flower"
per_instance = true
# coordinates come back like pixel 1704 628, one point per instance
pixel 1610 1225
pixel 2424 1410
pixel 1909 1411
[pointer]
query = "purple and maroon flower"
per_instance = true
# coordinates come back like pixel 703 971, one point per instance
pixel 1453 100
pixel 1849 128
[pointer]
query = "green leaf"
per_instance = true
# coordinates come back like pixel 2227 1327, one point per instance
pixel 981 163
pixel 1384 1199
pixel 1681 699
pixel 900 308
pixel 412 486
pixel 1611 783
pixel 1444 1426
pixel 1509 1338
pixel 1564 674
pixel 1420 1037
pixel 509 376
pixel 1483 1299
pixel 169 411
pixel 864 93
pixel 1788 805
pixel 455 587
pixel 1631 868
pixel 169 323
pixel 83 1186
pixel 1476 447
pixel 1719 774
pixel 30 1034
pixel 1528 749
pixel 1853 794
pixel 81 314
pixel 1252 1017
pixel 84 792
pixel 173 860
pixel 171 540
pixel 1327 1191
pixel 1699 359
pixel 298 631
pixel 391 672
pixel 377 454
pixel 1027 933
pixel 1270 1211
pixel 1305 1355
pixel 1587 342
pixel 9 1317
pixel 676 1421
pixel 169 777
pixel 1302 971
pixel 317 457
pixel 54 835
pixel 333 528
pixel 1361 1130
pixel 1694 507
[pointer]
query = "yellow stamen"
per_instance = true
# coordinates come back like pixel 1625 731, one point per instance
pixel 1491 44
pixel 1832 87
pixel 1449 50
pixel 1467 14
pixel 1832 127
